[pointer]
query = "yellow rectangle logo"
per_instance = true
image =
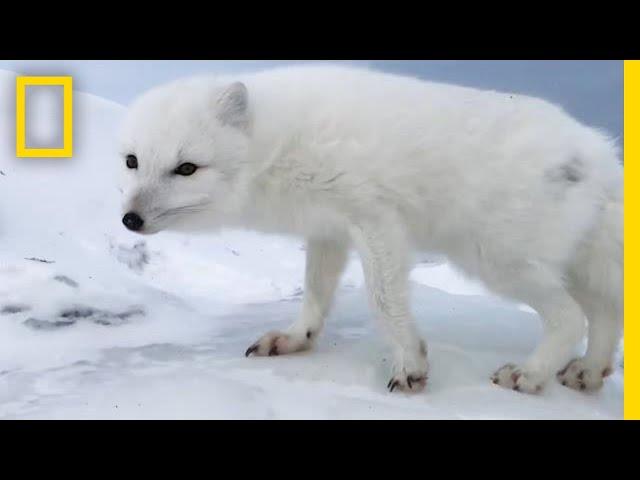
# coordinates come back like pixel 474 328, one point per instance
pixel 67 88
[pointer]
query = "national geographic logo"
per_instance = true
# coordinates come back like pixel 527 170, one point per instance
pixel 43 134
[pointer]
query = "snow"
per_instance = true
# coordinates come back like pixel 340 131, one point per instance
pixel 96 322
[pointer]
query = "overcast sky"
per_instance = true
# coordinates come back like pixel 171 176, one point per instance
pixel 590 90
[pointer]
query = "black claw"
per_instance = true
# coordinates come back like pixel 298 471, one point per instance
pixel 251 349
pixel 409 381
pixel 274 351
pixel 394 385
pixel 389 384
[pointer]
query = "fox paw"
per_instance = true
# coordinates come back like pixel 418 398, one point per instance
pixel 279 343
pixel 410 370
pixel 580 376
pixel 516 378
pixel 410 383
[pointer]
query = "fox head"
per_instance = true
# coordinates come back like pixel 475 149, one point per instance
pixel 183 147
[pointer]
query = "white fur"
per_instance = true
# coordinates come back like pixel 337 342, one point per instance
pixel 512 189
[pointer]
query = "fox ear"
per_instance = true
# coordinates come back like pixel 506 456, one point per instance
pixel 233 106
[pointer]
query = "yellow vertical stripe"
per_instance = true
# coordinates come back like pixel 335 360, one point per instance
pixel 20 115
pixel 631 267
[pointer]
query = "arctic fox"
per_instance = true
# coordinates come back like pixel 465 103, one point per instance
pixel 512 189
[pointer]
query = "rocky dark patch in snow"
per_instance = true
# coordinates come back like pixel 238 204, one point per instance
pixel 72 315
pixel 78 312
pixel 12 309
pixel 41 260
pixel 101 317
pixel 38 324
pixel 297 293
pixel 294 296
pixel 135 257
pixel 66 280
pixel 430 260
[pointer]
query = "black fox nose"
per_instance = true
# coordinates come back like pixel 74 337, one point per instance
pixel 133 221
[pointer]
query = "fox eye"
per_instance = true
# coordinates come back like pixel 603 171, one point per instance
pixel 186 169
pixel 132 161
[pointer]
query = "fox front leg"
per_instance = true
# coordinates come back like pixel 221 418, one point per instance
pixel 326 259
pixel 383 249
